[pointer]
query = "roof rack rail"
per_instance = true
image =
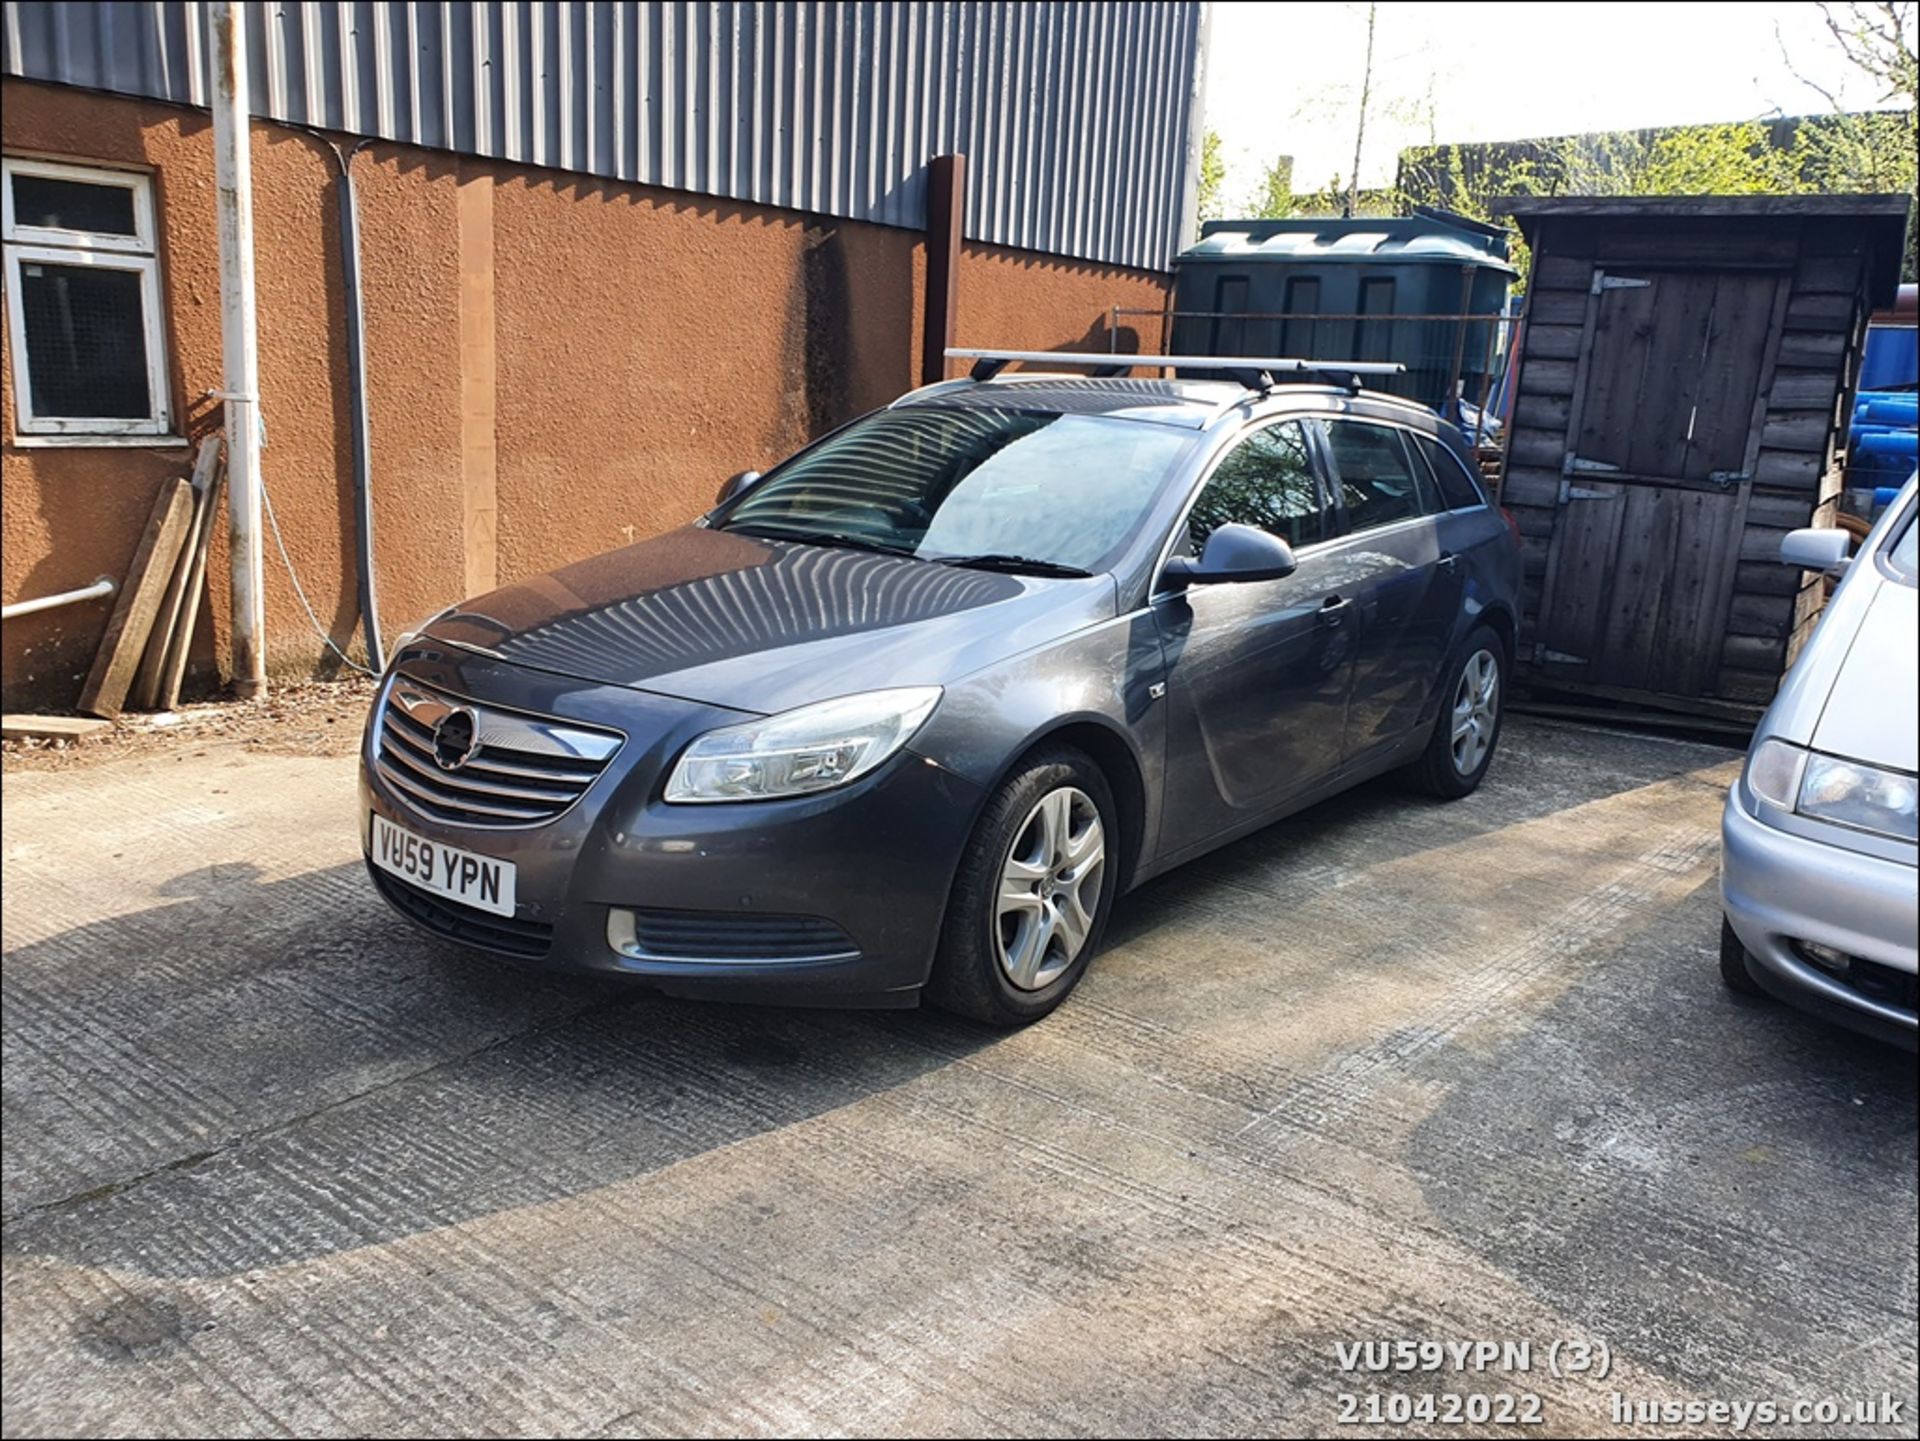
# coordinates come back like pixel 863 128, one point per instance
pixel 1256 372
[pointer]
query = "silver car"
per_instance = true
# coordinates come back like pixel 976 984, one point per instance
pixel 1818 876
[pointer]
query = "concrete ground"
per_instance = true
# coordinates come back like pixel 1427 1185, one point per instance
pixel 276 1163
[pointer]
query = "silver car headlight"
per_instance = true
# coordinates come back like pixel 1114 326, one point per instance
pixel 798 752
pixel 1862 796
pixel 1847 793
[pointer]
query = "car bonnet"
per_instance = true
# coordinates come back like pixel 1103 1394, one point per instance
pixel 762 625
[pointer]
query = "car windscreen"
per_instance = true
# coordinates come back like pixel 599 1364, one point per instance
pixel 1068 490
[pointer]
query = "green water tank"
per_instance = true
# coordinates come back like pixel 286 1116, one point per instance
pixel 1334 290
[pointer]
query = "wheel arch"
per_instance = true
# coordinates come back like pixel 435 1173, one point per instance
pixel 1102 743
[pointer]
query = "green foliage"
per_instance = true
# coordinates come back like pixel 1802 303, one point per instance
pixel 1834 154
pixel 1823 154
pixel 1274 200
pixel 1213 173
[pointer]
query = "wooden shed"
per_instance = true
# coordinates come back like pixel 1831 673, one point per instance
pixel 1686 370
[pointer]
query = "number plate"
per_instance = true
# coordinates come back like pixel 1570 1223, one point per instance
pixel 472 880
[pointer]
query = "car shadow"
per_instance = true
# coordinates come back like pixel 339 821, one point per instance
pixel 1541 768
pixel 171 1073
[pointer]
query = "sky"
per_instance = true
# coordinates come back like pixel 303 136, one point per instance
pixel 1285 78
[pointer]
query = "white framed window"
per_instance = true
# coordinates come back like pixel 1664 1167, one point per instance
pixel 83 300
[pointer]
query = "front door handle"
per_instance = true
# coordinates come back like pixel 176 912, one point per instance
pixel 1448 562
pixel 1333 610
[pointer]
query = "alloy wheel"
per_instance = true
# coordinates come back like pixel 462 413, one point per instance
pixel 1050 888
pixel 1476 711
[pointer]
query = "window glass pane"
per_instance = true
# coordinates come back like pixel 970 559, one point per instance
pixel 1267 480
pixel 1457 488
pixel 72 205
pixel 1072 489
pixel 86 343
pixel 1376 479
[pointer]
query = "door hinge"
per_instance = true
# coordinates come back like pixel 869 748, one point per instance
pixel 1574 465
pixel 1603 281
pixel 1570 491
pixel 1541 653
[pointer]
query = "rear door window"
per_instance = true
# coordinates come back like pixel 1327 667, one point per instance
pixel 1377 481
pixel 1458 490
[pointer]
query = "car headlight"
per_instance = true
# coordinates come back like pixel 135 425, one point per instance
pixel 813 748
pixel 1864 797
pixel 1848 793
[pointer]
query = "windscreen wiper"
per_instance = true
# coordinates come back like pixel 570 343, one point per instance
pixel 1014 564
pixel 839 540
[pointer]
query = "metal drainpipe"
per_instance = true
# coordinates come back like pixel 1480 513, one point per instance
pixel 239 341
pixel 357 398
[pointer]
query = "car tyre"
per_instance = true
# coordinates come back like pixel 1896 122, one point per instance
pixel 1467 729
pixel 1032 894
pixel 1733 963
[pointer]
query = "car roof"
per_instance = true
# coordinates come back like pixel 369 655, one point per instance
pixel 1193 404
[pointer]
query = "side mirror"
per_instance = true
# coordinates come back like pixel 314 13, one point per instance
pixel 1822 550
pixel 1234 552
pixel 735 486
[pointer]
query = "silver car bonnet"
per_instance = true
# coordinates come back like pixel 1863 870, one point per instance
pixel 1869 713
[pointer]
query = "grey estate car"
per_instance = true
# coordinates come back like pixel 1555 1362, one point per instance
pixel 908 713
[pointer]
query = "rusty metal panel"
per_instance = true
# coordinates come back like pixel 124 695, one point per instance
pixel 1074 116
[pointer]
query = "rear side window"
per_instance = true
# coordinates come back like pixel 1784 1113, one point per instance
pixel 1457 488
pixel 1375 474
pixel 1266 480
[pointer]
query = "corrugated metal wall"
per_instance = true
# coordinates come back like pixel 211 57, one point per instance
pixel 1074 116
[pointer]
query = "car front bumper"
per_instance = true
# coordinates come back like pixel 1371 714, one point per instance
pixel 848 888
pixel 1783 892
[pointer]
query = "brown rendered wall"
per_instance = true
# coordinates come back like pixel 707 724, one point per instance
pixel 558 364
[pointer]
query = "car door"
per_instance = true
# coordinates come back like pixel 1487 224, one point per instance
pixel 1257 672
pixel 1406 588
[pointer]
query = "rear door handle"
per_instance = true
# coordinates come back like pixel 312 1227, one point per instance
pixel 1448 562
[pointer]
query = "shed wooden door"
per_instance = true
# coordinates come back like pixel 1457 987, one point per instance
pixel 1663 431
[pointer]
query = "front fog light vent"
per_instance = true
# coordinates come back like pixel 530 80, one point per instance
pixel 726 937
pixel 1834 963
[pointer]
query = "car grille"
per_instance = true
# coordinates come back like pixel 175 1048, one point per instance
pixel 464 923
pixel 476 765
pixel 669 935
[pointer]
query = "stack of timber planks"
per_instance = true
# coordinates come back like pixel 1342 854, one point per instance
pixel 142 658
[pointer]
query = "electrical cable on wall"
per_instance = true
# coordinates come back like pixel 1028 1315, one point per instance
pixel 266 499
